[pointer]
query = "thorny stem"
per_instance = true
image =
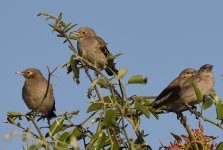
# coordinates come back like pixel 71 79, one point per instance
pixel 191 136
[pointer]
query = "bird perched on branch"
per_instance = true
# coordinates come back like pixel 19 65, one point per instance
pixel 162 98
pixel 184 96
pixel 93 49
pixel 37 94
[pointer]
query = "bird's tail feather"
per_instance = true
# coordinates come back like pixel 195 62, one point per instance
pixel 51 114
pixel 111 69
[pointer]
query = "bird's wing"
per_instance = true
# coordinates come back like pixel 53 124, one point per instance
pixel 102 44
pixel 168 89
pixel 111 65
pixel 167 94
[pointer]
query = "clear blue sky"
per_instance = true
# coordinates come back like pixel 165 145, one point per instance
pixel 158 38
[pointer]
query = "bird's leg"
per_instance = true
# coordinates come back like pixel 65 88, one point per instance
pixel 48 122
pixel 183 119
pixel 179 115
pixel 194 111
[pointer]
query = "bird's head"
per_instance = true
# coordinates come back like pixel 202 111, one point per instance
pixel 31 73
pixel 188 72
pixel 206 68
pixel 84 32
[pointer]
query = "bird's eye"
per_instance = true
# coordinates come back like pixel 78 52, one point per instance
pixel 83 32
pixel 188 72
pixel 28 72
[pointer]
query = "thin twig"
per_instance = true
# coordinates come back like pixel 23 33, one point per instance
pixel 48 85
pixel 212 122
pixel 121 89
pixel 191 136
pixel 36 126
pixel 27 131
pixel 115 137
pixel 88 118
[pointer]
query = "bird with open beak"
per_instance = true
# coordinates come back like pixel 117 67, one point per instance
pixel 93 49
pixel 35 93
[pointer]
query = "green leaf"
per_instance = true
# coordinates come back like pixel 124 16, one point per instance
pixel 121 73
pixel 110 99
pixel 94 106
pixel 148 101
pixel 71 27
pixel 78 133
pixel 73 37
pixel 60 17
pixel 154 112
pixel 43 14
pixel 218 103
pixel 137 79
pixel 64 137
pixel 109 120
pixel 32 147
pixel 176 137
pixel 63 24
pixel 198 93
pixel 142 108
pixel 219 109
pixel 220 146
pixel 114 146
pixel 10 120
pixel 112 57
pixel 59 30
pixel 103 83
pixel 14 114
pixel 100 141
pixel 56 126
pixel 207 103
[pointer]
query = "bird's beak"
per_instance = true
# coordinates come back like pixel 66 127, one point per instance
pixel 211 67
pixel 20 73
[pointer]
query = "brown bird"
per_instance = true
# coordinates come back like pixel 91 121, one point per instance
pixel 93 48
pixel 184 95
pixel 162 99
pixel 34 90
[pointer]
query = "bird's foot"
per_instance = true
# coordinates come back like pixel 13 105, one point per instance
pixel 31 113
pixel 96 74
pixel 194 111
